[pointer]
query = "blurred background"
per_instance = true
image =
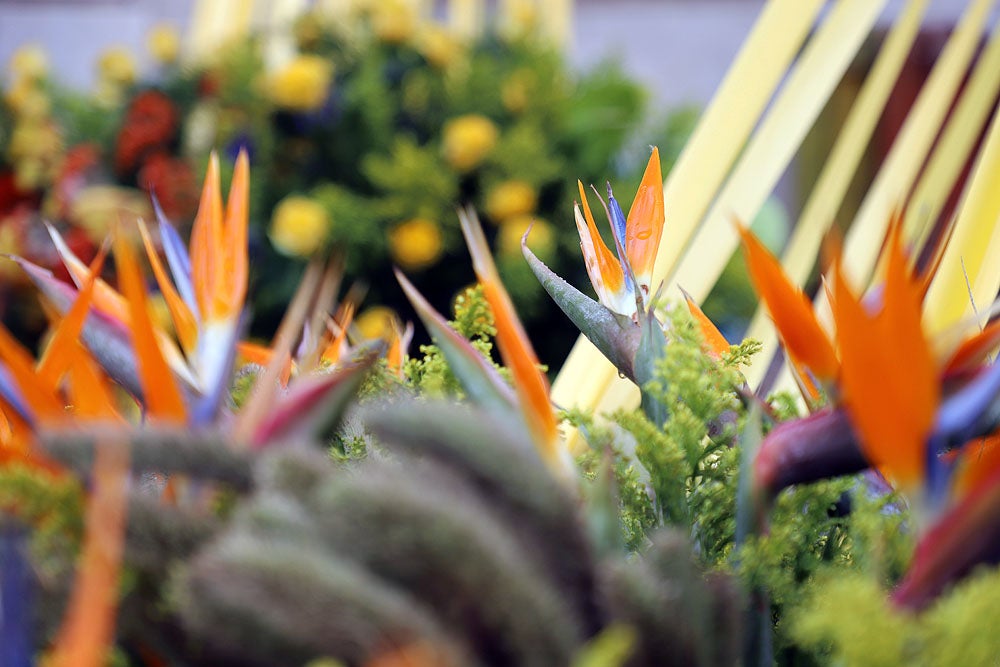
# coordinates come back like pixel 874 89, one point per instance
pixel 368 122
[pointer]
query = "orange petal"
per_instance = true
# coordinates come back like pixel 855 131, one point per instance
pixel 331 353
pixel 206 238
pixel 87 631
pixel 184 321
pixel 644 225
pixel 888 379
pixel 235 270
pixel 714 342
pixel 791 311
pixel 61 348
pixel 515 349
pixel 161 395
pixel 979 460
pixel 974 350
pixel 603 267
pixel 88 390
pixel 42 398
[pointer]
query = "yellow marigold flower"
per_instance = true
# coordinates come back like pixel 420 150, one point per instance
pixel 303 84
pixel 10 244
pixel 518 19
pixel 27 100
pixel 117 66
pixel 29 63
pixel 509 199
pixel 308 30
pixel 439 45
pixel 542 239
pixel 163 43
pixel 299 226
pixel 394 21
pixel 467 140
pixel 415 244
pixel 375 322
pixel 98 207
pixel 515 91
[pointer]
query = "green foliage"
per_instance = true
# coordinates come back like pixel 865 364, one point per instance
pixel 52 505
pixel 429 374
pixel 846 619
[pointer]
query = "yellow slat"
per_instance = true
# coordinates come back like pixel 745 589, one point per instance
pixel 772 147
pixel 909 150
pixel 958 139
pixel 974 249
pixel 831 185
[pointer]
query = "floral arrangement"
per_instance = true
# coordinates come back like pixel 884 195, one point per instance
pixel 364 140
pixel 173 493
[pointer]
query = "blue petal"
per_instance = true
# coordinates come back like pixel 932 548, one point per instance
pixel 177 258
pixel 618 226
pixel 12 394
pixel 15 599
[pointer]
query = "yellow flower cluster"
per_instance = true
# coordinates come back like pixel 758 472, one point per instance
pixel 467 140
pixel 394 21
pixel 415 244
pixel 303 85
pixel 376 322
pixel 299 226
pixel 439 45
pixel 542 238
pixel 35 145
pixel 163 43
pixel 509 199
pixel 116 71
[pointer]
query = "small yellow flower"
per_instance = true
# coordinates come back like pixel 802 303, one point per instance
pixel 415 244
pixel 299 226
pixel 97 208
pixel 303 85
pixel 542 239
pixel 27 100
pixel 509 199
pixel 515 91
pixel 394 21
pixel 117 66
pixel 29 63
pixel 376 322
pixel 518 19
pixel 439 45
pixel 467 140
pixel 10 244
pixel 163 43
pixel 308 30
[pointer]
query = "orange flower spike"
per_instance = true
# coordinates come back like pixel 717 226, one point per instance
pixel 184 321
pixel 973 350
pixel 890 402
pixel 515 349
pixel 603 267
pixel 41 398
pixel 87 631
pixel 713 340
pixel 331 353
pixel 235 264
pixel 88 390
pixel 644 224
pixel 979 461
pixel 58 354
pixel 161 395
pixel 206 238
pixel 791 311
